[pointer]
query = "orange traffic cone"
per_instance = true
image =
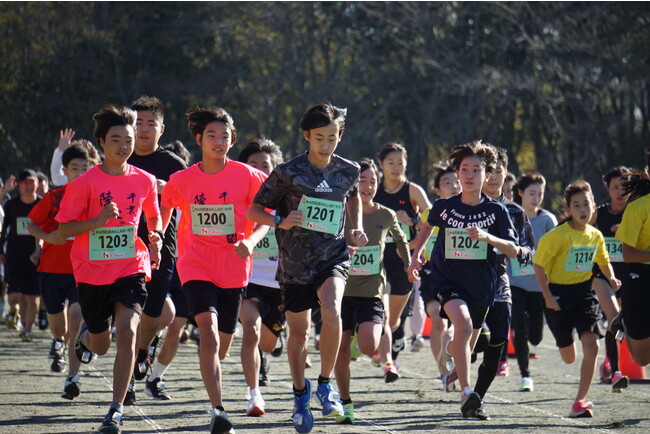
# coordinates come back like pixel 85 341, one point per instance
pixel 426 332
pixel 628 366
pixel 511 345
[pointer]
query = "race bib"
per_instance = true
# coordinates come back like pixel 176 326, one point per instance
pixel 21 225
pixel 321 215
pixel 580 258
pixel 267 247
pixel 109 243
pixel 213 220
pixel 519 270
pixel 432 241
pixel 365 261
pixel 614 249
pixel 405 229
pixel 458 245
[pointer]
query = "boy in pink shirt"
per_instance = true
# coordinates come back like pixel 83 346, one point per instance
pixel 213 265
pixel 102 209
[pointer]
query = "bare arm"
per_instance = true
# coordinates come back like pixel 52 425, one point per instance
pixel 51 237
pixel 608 272
pixel 420 242
pixel 508 248
pixel 74 228
pixel 244 248
pixel 634 255
pixel 542 281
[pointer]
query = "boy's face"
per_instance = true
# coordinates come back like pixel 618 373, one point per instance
pixel 118 144
pixel 261 161
pixel 471 174
pixel 216 140
pixel 449 185
pixel 323 142
pixel 76 167
pixel 148 129
pixel 493 184
pixel 28 186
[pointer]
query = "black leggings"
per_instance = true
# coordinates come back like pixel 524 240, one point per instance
pixel 527 324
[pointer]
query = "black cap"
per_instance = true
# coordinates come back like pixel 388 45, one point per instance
pixel 27 173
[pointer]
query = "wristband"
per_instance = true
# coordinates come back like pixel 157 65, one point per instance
pixel 160 234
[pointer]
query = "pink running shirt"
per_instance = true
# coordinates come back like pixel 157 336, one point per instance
pixel 133 191
pixel 212 258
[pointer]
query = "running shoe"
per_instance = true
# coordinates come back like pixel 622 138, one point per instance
pixel 308 362
pixel 256 404
pixel 417 343
pixel 58 363
pixel 619 382
pixel 582 409
pixel 42 320
pixel 450 381
pixel 156 390
pixel 26 337
pixel 71 387
pixel 355 352
pixel 526 384
pixel 279 346
pixel 265 365
pixel 329 400
pixel 391 374
pixel 481 414
pixel 83 353
pixel 470 402
pixel 303 419
pixel 618 327
pixel 219 422
pixel 112 422
pixel 141 369
pixel 446 362
pixel 375 360
pixel 348 415
pixel 504 369
pixel 52 349
pixel 317 342
pixel 129 398
pixel 605 371
pixel 11 320
pixel 398 345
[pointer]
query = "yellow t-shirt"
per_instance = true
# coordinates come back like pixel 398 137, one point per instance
pixel 568 255
pixel 428 247
pixel 635 227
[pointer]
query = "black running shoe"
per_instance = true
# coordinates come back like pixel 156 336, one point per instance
pixel 129 399
pixel 71 388
pixel 469 404
pixel 481 414
pixel 42 320
pixel 156 390
pixel 83 353
pixel 264 370
pixel 141 369
pixel 112 422
pixel 617 326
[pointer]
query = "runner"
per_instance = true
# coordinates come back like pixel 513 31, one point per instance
pixel 213 197
pixel 508 186
pixel 262 321
pixel 408 200
pixel 606 219
pixel 57 284
pixel 148 155
pixel 634 233
pixel 102 209
pixel 362 309
pixel 527 299
pixel 21 256
pixel 563 262
pixel 498 317
pixel 311 195
pixel 464 269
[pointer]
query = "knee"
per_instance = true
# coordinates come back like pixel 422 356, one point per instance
pixel 330 316
pixel 367 347
pixel 251 332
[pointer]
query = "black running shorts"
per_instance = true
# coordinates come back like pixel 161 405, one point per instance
pixel 205 296
pixel 357 310
pixel 269 300
pixel 636 301
pixel 56 289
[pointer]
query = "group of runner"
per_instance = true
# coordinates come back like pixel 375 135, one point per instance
pixel 139 244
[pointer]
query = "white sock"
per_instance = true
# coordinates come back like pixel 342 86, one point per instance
pixel 157 370
pixel 467 390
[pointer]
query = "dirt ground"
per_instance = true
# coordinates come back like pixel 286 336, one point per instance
pixel 30 397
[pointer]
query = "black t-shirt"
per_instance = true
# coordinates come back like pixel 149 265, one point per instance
pixel 604 222
pixel 303 253
pixel 475 280
pixel 19 244
pixel 161 164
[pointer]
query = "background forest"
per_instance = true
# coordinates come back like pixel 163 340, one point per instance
pixel 563 86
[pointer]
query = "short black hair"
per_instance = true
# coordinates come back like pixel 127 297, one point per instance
pixel 111 116
pixel 261 145
pixel 323 114
pixel 198 118
pixel 149 103
pixel 76 150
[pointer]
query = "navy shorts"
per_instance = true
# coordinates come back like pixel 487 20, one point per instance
pixel 270 301
pixel 636 301
pixel 56 289
pixel 22 277
pixel 97 301
pixel 203 296
pixel 177 296
pixel 357 310
pixel 579 311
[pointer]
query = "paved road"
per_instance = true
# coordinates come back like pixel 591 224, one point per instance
pixel 30 401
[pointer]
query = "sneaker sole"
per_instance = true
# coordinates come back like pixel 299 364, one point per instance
pixel 586 413
pixel 222 426
pixel 621 384
pixel 255 412
pixel 473 403
pixel 159 397
pixel 391 377
pixel 113 429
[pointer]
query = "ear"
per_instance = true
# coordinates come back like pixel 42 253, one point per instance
pixel 65 170
pixel 305 134
pixel 197 138
pixel 162 129
pixel 340 135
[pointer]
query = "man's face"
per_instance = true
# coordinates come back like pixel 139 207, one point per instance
pixel 28 186
pixel 493 184
pixel 216 140
pixel 148 129
pixel 118 144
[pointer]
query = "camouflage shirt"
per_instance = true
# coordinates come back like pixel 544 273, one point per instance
pixel 304 253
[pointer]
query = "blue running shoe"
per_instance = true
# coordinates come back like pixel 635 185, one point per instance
pixel 303 420
pixel 329 400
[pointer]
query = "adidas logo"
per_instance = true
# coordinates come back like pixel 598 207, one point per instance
pixel 323 187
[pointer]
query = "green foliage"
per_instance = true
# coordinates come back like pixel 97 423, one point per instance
pixel 561 86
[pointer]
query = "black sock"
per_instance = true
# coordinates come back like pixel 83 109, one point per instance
pixel 322 380
pixel 299 392
pixel 220 408
pixel 142 354
pixel 611 349
pixel 346 401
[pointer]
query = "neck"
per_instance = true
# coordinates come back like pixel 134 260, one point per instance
pixel 211 167
pixel 393 184
pixel 471 197
pixel 531 212
pixel 368 207
pixel 321 164
pixel 493 195
pixel 145 152
pixel 111 168
pixel 577 226
pixel 617 208
pixel 28 198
